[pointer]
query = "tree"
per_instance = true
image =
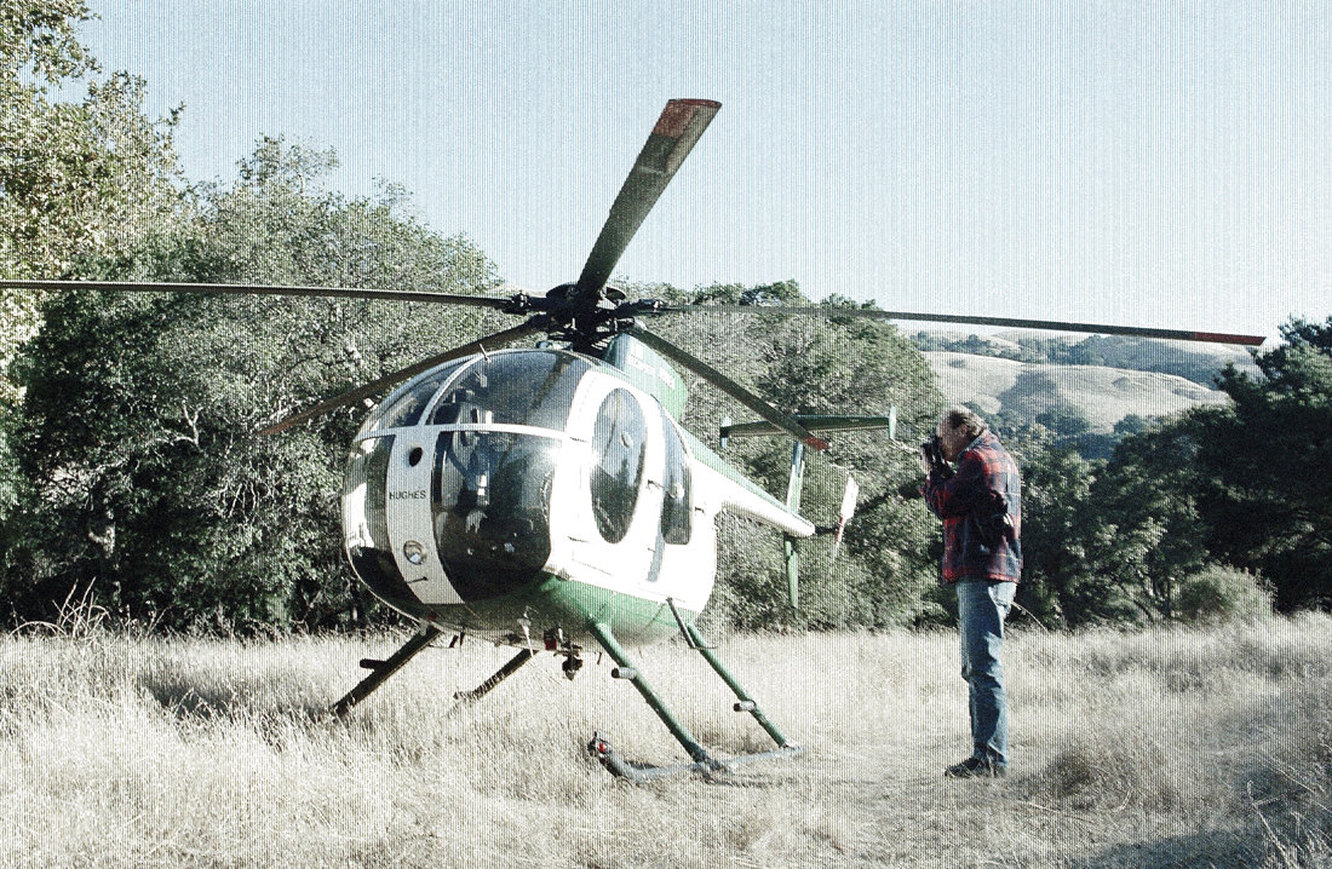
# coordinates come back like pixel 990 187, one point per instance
pixel 1266 491
pixel 1056 486
pixel 77 180
pixel 1150 533
pixel 141 409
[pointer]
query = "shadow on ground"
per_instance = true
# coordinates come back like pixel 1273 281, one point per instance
pixel 243 701
pixel 1208 848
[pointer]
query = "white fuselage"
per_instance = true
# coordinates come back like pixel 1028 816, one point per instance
pixel 505 485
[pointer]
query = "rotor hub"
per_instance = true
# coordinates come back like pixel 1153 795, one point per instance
pixel 587 319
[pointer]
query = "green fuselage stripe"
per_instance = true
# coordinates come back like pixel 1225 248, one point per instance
pixel 551 602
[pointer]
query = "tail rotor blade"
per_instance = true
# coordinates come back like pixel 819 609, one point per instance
pixel 848 510
pixel 679 127
pixel 765 410
pixel 534 325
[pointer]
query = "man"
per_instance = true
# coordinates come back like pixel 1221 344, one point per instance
pixel 981 507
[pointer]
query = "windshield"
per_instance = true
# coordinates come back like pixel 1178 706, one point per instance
pixel 490 497
pixel 530 387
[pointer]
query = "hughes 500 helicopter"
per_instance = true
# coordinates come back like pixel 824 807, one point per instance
pixel 546 497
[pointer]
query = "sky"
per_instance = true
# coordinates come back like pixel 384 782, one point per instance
pixel 1160 164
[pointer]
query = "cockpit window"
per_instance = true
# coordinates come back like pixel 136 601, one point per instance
pixel 405 406
pixel 533 387
pixel 617 453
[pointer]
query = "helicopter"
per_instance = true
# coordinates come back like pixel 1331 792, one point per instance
pixel 546 498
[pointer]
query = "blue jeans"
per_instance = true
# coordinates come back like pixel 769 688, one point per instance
pixel 981 609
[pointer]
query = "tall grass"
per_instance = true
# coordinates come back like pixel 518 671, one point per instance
pixel 1166 747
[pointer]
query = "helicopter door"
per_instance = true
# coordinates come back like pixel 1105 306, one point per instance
pixel 609 504
pixel 410 522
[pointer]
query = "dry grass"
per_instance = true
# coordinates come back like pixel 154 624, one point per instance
pixel 1156 748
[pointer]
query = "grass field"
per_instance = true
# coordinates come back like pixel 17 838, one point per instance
pixel 1159 748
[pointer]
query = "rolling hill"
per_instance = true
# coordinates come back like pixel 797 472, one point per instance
pixel 1136 380
pixel 1103 395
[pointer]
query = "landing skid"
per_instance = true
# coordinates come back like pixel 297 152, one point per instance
pixel 640 773
pixel 381 670
pixel 599 747
pixel 500 675
pixel 702 762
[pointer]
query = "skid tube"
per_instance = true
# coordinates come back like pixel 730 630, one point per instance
pixel 500 675
pixel 600 748
pixel 382 670
pixel 642 773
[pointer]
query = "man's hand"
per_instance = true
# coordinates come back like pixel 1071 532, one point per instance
pixel 923 459
pixel 931 459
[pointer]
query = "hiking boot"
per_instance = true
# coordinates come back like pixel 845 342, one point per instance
pixel 976 767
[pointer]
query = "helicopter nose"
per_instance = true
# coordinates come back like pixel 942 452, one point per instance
pixel 491 504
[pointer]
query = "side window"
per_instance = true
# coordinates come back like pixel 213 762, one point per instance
pixel 617 456
pixel 678 499
pixel 365 520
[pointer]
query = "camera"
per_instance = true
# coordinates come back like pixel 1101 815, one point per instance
pixel 932 450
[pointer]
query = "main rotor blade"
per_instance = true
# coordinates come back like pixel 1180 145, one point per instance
pixel 1054 325
pixel 765 410
pixel 498 339
pixel 262 290
pixel 679 127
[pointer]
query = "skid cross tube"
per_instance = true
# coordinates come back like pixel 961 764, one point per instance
pixel 500 675
pixel 679 620
pixel 602 632
pixel 381 670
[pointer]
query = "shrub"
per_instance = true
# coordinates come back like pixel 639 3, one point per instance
pixel 1219 594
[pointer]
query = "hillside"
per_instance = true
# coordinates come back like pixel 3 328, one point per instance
pixel 1101 379
pixel 1195 361
pixel 1103 395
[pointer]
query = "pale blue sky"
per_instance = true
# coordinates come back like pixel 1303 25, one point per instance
pixel 1154 164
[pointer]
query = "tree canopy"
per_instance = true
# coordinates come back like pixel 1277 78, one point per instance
pixel 1238 486
pixel 141 410
pixel 1264 489
pixel 78 180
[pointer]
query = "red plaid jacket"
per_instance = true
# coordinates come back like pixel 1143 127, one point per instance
pixel 981 509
